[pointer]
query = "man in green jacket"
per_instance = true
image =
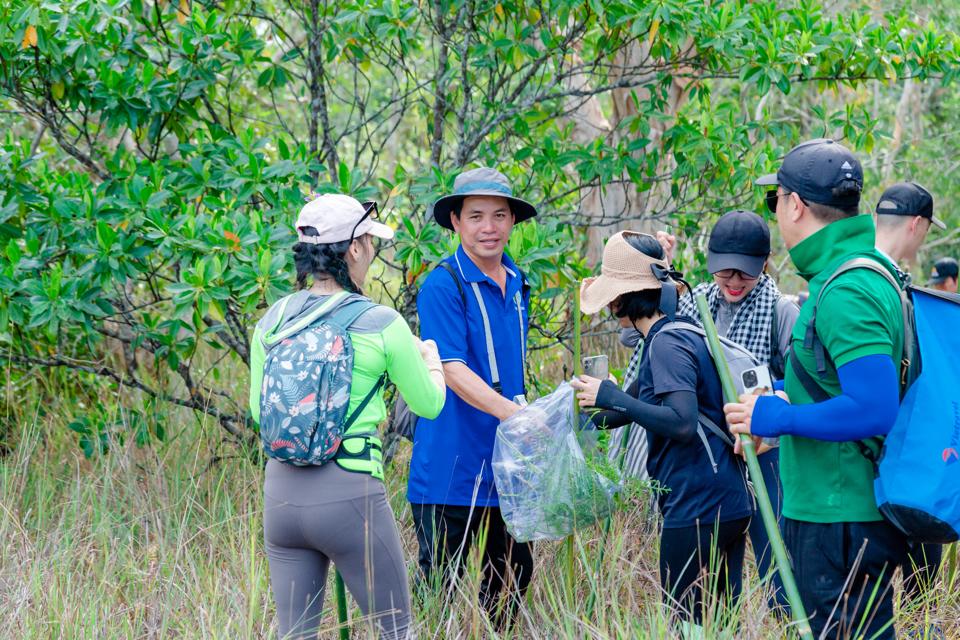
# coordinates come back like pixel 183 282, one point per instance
pixel 842 379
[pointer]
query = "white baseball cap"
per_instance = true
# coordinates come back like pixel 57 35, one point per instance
pixel 338 218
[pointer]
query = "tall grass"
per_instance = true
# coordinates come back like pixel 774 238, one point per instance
pixel 160 543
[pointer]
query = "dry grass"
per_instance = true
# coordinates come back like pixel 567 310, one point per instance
pixel 157 543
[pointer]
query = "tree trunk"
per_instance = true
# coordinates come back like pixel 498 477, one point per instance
pixel 318 120
pixel 610 208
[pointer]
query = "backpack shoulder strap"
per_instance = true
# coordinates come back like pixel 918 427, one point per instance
pixel 818 394
pixel 812 340
pixel 813 388
pixel 776 358
pixel 488 333
pixel 344 315
pixel 682 326
pixel 320 310
pixel 697 329
pixel 363 403
pixel 272 319
pixel 446 266
pixel 859 263
pixel 715 429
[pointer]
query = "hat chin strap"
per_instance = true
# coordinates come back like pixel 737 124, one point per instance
pixel 669 294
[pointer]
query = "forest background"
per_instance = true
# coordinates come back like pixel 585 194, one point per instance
pixel 153 156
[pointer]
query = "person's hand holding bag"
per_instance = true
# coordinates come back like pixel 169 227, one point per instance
pixel 431 357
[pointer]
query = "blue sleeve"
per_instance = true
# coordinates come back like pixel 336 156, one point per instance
pixel 442 316
pixel 867 407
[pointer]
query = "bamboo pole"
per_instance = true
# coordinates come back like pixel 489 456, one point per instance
pixel 341 594
pixel 577 370
pixel 763 499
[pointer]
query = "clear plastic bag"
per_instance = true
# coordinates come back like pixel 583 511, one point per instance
pixel 547 487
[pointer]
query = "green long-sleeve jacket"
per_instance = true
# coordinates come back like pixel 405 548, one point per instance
pixel 382 342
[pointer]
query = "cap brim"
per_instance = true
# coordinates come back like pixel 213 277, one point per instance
pixel 596 293
pixel 381 231
pixel 938 223
pixel 445 206
pixel 768 180
pixel 750 265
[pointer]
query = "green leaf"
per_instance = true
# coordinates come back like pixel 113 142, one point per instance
pixel 13 252
pixel 106 236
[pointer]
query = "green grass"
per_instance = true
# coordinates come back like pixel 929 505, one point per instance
pixel 158 543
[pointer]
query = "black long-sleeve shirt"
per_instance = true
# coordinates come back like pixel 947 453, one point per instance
pixel 676 418
pixel 676 382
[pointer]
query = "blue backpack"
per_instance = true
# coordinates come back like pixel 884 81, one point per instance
pixel 917 483
pixel 306 386
pixel 918 474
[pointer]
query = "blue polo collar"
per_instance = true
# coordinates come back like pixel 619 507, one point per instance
pixel 470 272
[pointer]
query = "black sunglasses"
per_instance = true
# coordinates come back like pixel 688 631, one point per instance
pixel 772 197
pixel 370 210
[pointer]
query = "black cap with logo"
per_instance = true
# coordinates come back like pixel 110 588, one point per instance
pixel 943 269
pixel 908 199
pixel 740 240
pixel 814 169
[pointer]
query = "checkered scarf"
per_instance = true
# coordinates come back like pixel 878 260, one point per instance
pixel 750 328
pixel 753 320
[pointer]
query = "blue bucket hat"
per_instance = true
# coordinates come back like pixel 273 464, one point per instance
pixel 480 182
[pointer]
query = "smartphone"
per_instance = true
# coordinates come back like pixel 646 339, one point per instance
pixel 596 367
pixel 756 380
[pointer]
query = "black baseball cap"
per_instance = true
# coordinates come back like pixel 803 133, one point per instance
pixel 942 269
pixel 813 169
pixel 740 240
pixel 908 199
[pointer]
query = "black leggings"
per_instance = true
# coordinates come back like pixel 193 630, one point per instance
pixel 704 557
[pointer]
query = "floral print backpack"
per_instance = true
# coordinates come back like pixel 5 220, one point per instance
pixel 306 387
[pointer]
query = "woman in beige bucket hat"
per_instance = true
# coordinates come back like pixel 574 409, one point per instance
pixel 706 506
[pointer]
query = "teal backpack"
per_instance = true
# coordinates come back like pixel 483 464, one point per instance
pixel 305 393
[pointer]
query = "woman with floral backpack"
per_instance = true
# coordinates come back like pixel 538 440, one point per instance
pixel 319 358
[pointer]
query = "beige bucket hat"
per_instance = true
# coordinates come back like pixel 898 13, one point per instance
pixel 623 270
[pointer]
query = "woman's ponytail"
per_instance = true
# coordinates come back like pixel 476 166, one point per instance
pixel 318 260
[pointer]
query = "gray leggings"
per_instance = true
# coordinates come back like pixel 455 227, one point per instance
pixel 315 515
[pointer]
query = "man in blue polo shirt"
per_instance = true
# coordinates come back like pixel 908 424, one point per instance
pixel 475 307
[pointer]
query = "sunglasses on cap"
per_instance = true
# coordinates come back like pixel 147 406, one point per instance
pixel 370 210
